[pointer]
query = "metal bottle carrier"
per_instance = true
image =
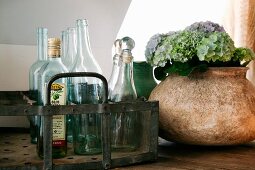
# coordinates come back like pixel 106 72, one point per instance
pixel 15 103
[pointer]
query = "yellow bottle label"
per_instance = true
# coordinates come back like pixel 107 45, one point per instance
pixel 58 97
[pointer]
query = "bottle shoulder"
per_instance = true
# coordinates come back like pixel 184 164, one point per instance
pixel 123 92
pixel 92 65
pixel 37 65
pixel 53 68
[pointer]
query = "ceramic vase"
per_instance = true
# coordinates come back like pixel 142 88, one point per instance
pixel 216 107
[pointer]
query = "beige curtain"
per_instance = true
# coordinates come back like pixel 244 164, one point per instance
pixel 240 24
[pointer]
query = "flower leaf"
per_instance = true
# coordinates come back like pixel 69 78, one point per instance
pixel 183 69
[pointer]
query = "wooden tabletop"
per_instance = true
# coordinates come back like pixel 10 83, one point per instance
pixel 182 157
pixel 16 149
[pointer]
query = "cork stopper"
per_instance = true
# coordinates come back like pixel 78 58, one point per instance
pixel 54 47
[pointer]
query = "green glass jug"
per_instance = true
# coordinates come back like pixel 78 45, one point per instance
pixel 143 78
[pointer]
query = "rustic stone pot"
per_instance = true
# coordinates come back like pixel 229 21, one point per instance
pixel 216 107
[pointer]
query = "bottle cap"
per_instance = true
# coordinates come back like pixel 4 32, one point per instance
pixel 54 47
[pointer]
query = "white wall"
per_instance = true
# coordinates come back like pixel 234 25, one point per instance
pixel 18 23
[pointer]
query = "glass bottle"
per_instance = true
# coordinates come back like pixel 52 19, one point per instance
pixel 87 127
pixel 124 124
pixel 115 69
pixel 68 61
pixel 42 34
pixel 58 97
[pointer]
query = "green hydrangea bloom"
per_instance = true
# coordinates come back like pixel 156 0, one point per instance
pixel 217 47
pixel 183 45
pixel 243 55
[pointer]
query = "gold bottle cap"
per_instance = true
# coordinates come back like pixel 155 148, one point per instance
pixel 54 47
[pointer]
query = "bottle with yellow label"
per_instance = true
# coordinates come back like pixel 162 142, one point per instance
pixel 58 97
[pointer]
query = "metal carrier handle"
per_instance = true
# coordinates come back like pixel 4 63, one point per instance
pixel 106 145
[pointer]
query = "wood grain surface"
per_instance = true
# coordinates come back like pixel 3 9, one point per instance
pixel 17 151
pixel 186 157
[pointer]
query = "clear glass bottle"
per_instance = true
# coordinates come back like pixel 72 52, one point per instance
pixel 87 127
pixel 115 68
pixel 124 125
pixel 68 61
pixel 42 34
pixel 58 97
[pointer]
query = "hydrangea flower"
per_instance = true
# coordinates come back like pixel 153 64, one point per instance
pixel 183 45
pixel 243 54
pixel 152 48
pixel 206 27
pixel 217 47
pixel 198 46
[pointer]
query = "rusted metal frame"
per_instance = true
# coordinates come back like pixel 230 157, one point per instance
pixel 153 136
pixel 125 160
pixel 154 128
pixel 104 123
pixel 27 110
pixel 47 111
pixel 128 160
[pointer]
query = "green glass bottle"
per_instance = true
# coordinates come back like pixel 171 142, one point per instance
pixel 58 97
pixel 34 77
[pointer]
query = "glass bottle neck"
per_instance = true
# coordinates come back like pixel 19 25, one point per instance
pixel 116 60
pixel 126 74
pixel 71 43
pixel 57 59
pixel 115 72
pixel 84 56
pixel 63 43
pixel 83 45
pixel 42 37
pixel 71 50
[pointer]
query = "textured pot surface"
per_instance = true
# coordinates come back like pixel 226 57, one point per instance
pixel 216 107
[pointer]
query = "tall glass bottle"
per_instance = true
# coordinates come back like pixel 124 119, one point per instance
pixel 124 124
pixel 68 61
pixel 115 68
pixel 58 97
pixel 87 127
pixel 42 34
